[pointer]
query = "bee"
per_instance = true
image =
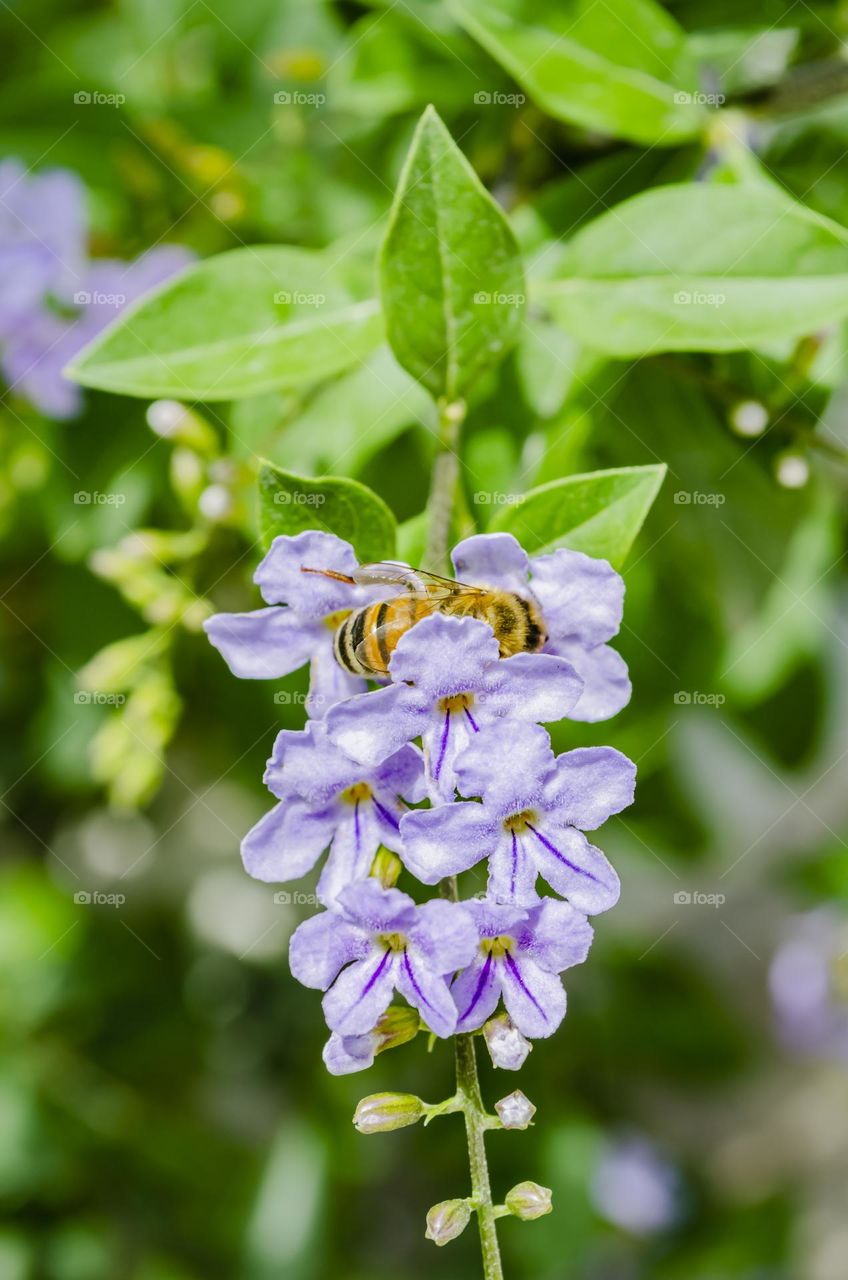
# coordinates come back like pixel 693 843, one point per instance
pixel 367 637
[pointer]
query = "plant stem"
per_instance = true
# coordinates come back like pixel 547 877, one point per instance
pixel 468 1086
pixel 444 487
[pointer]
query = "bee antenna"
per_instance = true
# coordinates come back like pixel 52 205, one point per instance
pixel 329 573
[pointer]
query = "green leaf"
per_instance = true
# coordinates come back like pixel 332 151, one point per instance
pixel 598 513
pixel 290 504
pixel 701 268
pixel 451 275
pixel 236 325
pixel 625 71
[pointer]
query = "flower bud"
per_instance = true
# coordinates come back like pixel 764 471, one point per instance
pixel 447 1220
pixel 507 1047
pixel 174 421
pixel 395 1027
pixel 386 867
pixel 516 1111
pixel 527 1200
pixel 383 1112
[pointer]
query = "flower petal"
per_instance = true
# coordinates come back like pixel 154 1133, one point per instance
pixel 306 762
pixel 403 774
pixel 513 870
pixel 475 993
pixel 446 840
pixel 590 784
pixel 288 841
pixel 492 560
pixel 443 656
pixel 556 936
pixel 445 935
pixel 361 993
pixel 506 763
pixel 345 1054
pixel 531 686
pixel 281 579
pixel 579 595
pixel 575 868
pixel 375 725
pixel 427 992
pixel 328 683
pixel 534 999
pixel 264 644
pixel 355 843
pixel 321 946
pixel 606 684
pixel 377 910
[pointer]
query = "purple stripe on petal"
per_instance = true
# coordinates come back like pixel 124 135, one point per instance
pixel 552 849
pixel 474 725
pixel 357 832
pixel 374 976
pixel 516 973
pixel 386 815
pixel 415 987
pixel 443 746
pixel 479 989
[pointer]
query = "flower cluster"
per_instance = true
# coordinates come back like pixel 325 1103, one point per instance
pixel 53 300
pixel 461 728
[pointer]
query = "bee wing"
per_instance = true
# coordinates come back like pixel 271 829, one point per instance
pixel 418 582
pixel 427 604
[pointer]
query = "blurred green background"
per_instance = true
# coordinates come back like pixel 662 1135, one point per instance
pixel 164 1113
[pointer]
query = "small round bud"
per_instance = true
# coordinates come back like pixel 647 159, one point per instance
pixel 749 418
pixel 215 502
pixel 792 470
pixel 164 417
pixel 447 1220
pixel 507 1047
pixel 527 1200
pixel 173 421
pixel 395 1027
pixel 516 1111
pixel 386 867
pixel 383 1112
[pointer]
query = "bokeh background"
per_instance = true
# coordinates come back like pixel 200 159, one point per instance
pixel 164 1114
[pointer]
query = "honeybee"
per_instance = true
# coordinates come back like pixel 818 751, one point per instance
pixel 367 637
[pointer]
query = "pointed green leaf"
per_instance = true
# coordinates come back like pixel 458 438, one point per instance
pixel 599 513
pixel 236 325
pixel 290 504
pixel 451 276
pixel 625 71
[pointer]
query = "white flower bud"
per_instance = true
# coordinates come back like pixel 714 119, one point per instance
pixel 515 1110
pixel 749 418
pixel 507 1047
pixel 383 1112
pixel 527 1200
pixel 447 1220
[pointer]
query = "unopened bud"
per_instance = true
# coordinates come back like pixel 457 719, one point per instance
pixel 749 418
pixel 516 1111
pixel 792 470
pixel 527 1200
pixel 386 867
pixel 507 1047
pixel 173 421
pixel 383 1112
pixel 396 1026
pixel 447 1220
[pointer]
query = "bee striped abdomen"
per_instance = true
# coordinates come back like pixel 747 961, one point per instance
pixel 365 642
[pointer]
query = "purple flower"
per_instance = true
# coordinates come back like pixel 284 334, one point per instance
pixel 581 600
pixel 519 956
pixel 299 627
pixel 534 810
pixel 379 941
pixel 449 682
pixel 327 800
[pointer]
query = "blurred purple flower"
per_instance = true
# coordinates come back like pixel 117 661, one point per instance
pixel 535 808
pixel 635 1188
pixel 520 955
pixel 327 800
pixel 807 983
pixel 448 682
pixel 581 600
pixel 379 941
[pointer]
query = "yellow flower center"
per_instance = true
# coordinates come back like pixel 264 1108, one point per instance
pixel 457 702
pixel 393 941
pixel 358 792
pixel 519 822
pixel 497 947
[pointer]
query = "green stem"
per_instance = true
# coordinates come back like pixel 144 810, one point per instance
pixel 468 1085
pixel 444 488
